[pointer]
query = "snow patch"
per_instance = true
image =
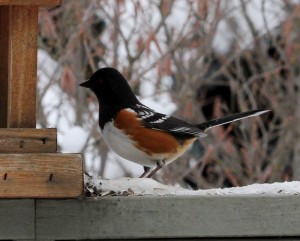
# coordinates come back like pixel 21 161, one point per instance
pixel 146 186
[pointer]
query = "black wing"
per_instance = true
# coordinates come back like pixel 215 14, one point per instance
pixel 158 121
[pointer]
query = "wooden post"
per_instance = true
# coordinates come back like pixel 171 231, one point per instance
pixel 18 61
pixel 18 51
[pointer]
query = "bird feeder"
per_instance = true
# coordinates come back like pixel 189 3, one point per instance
pixel 30 166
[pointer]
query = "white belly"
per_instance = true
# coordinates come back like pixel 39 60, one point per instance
pixel 118 142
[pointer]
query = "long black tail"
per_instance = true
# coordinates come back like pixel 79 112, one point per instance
pixel 227 119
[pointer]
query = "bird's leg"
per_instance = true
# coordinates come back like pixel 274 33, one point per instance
pixel 146 170
pixel 159 165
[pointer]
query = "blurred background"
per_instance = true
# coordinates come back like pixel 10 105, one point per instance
pixel 196 60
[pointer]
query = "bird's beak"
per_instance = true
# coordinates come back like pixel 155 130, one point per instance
pixel 86 84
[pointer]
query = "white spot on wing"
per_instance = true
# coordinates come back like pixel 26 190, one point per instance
pixel 146 114
pixel 188 131
pixel 161 120
pixel 142 106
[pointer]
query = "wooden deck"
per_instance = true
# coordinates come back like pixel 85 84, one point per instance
pixel 137 217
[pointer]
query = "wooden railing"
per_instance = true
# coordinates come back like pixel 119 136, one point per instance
pixel 178 217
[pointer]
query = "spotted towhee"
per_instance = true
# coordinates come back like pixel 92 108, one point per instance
pixel 138 133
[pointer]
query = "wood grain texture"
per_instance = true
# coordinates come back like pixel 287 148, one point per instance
pixel 41 175
pixel 4 64
pixel 22 85
pixel 43 3
pixel 253 217
pixel 28 140
pixel 18 51
pixel 169 217
pixel 17 219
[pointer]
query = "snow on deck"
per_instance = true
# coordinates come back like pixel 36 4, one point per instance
pixel 149 187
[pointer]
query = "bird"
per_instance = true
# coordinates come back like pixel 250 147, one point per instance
pixel 140 134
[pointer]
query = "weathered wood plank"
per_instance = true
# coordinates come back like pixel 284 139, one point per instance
pixel 41 175
pixel 43 3
pixel 169 217
pixel 4 64
pixel 17 219
pixel 18 46
pixel 28 140
pixel 213 239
